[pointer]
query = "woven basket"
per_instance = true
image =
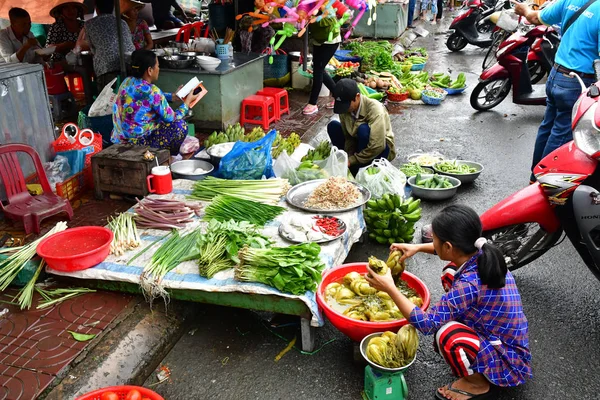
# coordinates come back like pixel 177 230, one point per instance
pixel 278 69
pixel 397 97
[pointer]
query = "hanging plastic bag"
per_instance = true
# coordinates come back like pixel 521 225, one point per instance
pixel 249 160
pixel 103 105
pixel 382 177
pixel 334 165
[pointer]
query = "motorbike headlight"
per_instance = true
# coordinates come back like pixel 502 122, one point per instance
pixel 586 133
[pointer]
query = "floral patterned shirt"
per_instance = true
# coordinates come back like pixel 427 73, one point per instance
pixel 139 34
pixel 140 108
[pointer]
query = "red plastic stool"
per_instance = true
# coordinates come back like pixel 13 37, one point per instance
pixel 75 84
pixel 257 106
pixel 280 97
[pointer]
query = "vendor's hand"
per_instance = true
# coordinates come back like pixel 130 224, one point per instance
pixel 408 250
pixel 31 42
pixel 520 8
pixel 384 283
pixel 191 98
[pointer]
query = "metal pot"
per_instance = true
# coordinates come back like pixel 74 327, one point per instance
pixel 192 53
pixel 185 169
pixel 175 62
pixel 166 51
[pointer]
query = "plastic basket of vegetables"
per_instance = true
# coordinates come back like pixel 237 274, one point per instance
pixel 121 393
pixel 417 67
pixel 432 97
pixel 397 95
pixel 451 91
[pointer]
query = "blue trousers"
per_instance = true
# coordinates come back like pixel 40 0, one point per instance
pixel 411 11
pixel 338 139
pixel 562 92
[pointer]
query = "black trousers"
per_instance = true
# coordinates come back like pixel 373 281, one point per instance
pixel 440 7
pixel 321 56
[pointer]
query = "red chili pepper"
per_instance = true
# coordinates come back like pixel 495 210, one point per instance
pixel 328 225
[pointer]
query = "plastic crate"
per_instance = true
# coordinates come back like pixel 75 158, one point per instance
pixel 74 187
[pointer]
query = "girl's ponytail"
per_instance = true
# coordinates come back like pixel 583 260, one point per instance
pixel 492 268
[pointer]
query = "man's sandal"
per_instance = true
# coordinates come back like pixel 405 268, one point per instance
pixel 471 396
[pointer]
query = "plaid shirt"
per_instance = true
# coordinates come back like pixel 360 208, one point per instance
pixel 497 317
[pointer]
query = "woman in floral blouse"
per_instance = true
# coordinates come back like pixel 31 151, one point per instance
pixel 142 39
pixel 142 115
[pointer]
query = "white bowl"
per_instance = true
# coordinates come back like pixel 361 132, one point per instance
pixel 208 63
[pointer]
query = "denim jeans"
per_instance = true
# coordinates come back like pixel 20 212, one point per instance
pixel 338 139
pixel 562 92
pixel 411 11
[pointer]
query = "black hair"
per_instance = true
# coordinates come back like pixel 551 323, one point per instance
pixel 16 13
pixel 105 6
pixel 141 60
pixel 460 225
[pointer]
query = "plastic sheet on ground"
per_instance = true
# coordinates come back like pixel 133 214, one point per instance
pixel 186 276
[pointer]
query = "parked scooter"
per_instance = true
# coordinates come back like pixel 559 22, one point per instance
pixel 467 24
pixel 566 196
pixel 512 69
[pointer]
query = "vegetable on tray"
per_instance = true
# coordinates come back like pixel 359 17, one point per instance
pixel 435 182
pixel 394 350
pixel 224 208
pixel 293 269
pixel 336 192
pixel 411 169
pixel 267 191
pixel 164 213
pixel 453 167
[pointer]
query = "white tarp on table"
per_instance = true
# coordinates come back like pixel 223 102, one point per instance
pixel 186 276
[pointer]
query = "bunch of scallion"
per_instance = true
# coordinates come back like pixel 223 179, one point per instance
pixel 294 269
pixel 10 268
pixel 168 256
pixel 267 191
pixel 218 248
pixel 55 296
pixel 25 295
pixel 125 232
pixel 224 208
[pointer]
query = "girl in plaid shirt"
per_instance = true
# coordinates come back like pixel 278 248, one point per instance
pixel 479 325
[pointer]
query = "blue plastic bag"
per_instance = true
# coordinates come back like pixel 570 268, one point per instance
pixel 249 160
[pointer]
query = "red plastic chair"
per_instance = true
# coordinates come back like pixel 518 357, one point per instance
pixel 184 31
pixel 197 28
pixel 21 206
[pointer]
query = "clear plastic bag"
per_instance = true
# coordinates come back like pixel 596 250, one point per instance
pixel 382 177
pixel 249 160
pixel 57 171
pixel 297 172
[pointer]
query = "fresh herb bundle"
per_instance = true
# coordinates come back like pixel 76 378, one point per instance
pixel 267 191
pixel 225 208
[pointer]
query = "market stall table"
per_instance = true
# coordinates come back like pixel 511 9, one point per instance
pixel 185 283
pixel 227 86
pixel 163 37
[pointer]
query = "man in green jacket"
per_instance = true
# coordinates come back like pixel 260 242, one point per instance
pixel 364 130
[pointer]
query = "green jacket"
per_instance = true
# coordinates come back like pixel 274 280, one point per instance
pixel 319 31
pixel 373 113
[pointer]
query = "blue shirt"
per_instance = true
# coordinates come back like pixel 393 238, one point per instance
pixel 580 45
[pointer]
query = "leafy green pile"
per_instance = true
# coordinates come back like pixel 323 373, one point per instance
pixel 224 208
pixel 294 269
pixel 218 248
pixel 376 56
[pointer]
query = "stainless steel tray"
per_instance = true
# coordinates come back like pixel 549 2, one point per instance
pixel 341 225
pixel 297 195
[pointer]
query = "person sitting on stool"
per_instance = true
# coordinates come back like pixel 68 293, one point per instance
pixel 364 130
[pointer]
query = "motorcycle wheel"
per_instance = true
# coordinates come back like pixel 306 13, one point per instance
pixel 488 94
pixel 521 244
pixel 536 71
pixel 490 56
pixel 456 42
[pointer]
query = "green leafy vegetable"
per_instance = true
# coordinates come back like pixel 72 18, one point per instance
pixel 224 208
pixel 81 337
pixel 375 56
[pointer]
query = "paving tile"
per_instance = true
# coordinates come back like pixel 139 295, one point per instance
pixel 21 384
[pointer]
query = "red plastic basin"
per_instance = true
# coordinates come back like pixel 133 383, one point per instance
pixel 120 391
pixel 76 249
pixel 355 329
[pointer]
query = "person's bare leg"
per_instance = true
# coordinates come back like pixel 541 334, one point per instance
pixel 475 384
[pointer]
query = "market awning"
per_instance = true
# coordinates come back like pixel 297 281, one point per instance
pixel 38 9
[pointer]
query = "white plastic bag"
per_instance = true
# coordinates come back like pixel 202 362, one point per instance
pixel 334 165
pixel 382 177
pixel 104 102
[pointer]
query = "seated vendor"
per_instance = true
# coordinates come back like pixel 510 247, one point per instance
pixel 141 114
pixel 17 43
pixel 64 32
pixel 364 130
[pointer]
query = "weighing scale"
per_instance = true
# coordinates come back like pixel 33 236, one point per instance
pixel 383 383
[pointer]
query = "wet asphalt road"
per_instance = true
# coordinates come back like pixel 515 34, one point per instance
pixel 229 353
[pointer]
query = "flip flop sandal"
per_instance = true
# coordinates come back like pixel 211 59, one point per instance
pixel 482 396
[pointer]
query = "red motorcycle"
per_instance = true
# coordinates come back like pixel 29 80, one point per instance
pixel 566 196
pixel 472 25
pixel 513 69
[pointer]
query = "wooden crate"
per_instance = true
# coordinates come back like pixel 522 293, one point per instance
pixel 121 169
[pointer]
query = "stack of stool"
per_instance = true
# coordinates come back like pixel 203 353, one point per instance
pixel 264 107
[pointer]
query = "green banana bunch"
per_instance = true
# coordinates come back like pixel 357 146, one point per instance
pixel 460 81
pixel 391 219
pixel 321 152
pixel 288 144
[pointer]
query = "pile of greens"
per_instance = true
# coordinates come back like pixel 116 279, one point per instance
pixel 218 248
pixel 294 269
pixel 225 208
pixel 376 56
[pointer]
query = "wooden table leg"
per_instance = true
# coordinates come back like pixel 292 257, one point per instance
pixel 308 335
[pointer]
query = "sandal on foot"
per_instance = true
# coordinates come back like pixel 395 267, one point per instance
pixel 472 396
pixel 330 105
pixel 310 109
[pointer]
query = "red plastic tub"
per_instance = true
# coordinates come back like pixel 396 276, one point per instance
pixel 355 329
pixel 76 249
pixel 121 391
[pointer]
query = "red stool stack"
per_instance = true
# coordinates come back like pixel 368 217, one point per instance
pixel 257 106
pixel 75 84
pixel 280 97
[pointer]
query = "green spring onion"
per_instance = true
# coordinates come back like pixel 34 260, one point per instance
pixel 225 208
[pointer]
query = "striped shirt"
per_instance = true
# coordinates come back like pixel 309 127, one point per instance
pixel 497 317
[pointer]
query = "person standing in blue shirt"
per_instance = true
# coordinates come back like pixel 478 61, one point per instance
pixel 579 47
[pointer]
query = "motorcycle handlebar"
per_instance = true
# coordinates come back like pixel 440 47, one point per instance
pixel 597 69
